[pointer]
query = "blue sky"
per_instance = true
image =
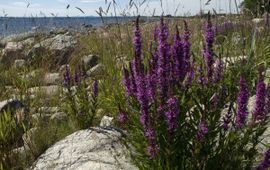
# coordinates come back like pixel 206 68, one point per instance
pixel 58 7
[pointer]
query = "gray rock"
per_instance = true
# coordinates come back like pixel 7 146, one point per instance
pixel 59 47
pixel 95 149
pixel 106 121
pixel 90 61
pixel 59 117
pixel 62 69
pixel 98 70
pixel 258 21
pixel 46 90
pixel 28 41
pixel 16 37
pixel 19 63
pixel 12 51
pixel 59 42
pixel 16 108
pixel 21 153
pixel 52 78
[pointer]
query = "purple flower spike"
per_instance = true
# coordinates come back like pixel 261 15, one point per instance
pixel 267 106
pixel 67 77
pixel 227 119
pixel 179 65
pixel 186 46
pixel 259 112
pixel 208 48
pixel 76 78
pixel 138 49
pixel 164 60
pixel 202 130
pixel 265 164
pixel 242 102
pixel 152 150
pixel 172 115
pixel 95 88
pixel 219 70
pixel 122 117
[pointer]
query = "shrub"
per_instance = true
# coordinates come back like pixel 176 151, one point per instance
pixel 190 112
pixel 80 101
pixel 10 138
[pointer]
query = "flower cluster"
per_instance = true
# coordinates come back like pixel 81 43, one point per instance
pixel 265 164
pixel 259 110
pixel 242 102
pixel 168 67
pixel 208 48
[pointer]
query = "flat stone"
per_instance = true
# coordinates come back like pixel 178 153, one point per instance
pixel 52 78
pixel 47 90
pixel 94 148
pixel 98 70
pixel 19 63
pixel 90 61
pixel 106 121
pixel 59 117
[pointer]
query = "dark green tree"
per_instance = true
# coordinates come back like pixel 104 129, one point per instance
pixel 256 7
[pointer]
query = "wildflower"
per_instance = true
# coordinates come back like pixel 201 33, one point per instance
pixel 259 112
pixel 67 77
pixel 76 78
pixel 122 117
pixel 201 79
pixel 267 106
pixel 152 150
pixel 265 164
pixel 208 49
pixel 172 115
pixel 242 102
pixel 202 130
pixel 186 46
pixel 163 62
pixel 95 88
pixel 227 119
pixel 219 70
pixel 178 67
pixel 138 47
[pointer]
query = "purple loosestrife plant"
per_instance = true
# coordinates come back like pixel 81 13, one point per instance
pixel 208 53
pixel 265 164
pixel 95 88
pixel 164 61
pixel 80 102
pixel 267 102
pixel 259 110
pixel 202 130
pixel 172 115
pixel 122 117
pixel 219 71
pixel 242 102
pixel 178 65
pixel 165 126
pixel 186 47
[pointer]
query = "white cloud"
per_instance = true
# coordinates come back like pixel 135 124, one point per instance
pixel 19 4
pixel 90 1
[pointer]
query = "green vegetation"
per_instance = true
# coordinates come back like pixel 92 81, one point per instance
pixel 114 46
